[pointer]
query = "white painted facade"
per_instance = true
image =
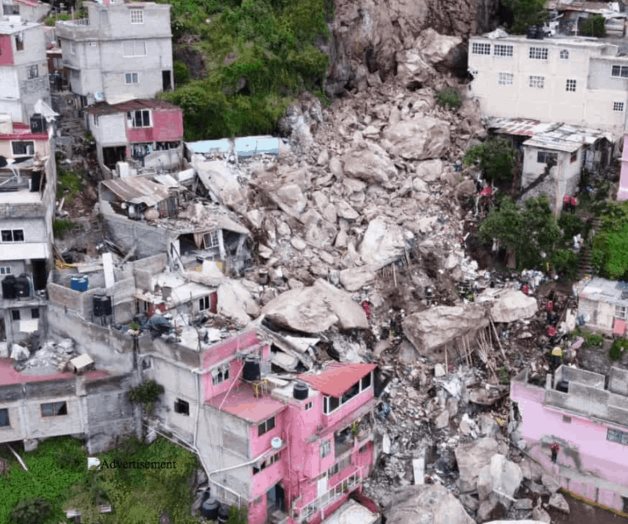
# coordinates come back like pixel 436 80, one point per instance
pixel 578 81
pixel 120 52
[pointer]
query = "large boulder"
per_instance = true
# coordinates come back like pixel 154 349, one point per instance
pixel 369 162
pixel 508 305
pixel 426 504
pixel 431 329
pixel 235 302
pixel 356 278
pixel 315 309
pixel 383 243
pixel 418 138
pixel 221 182
pixel 501 478
pixel 471 458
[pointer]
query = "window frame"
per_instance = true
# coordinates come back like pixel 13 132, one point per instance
pixel 133 115
pixel 133 44
pixel 620 312
pixel 56 409
pixel 621 69
pixel 618 107
pixel 325 448
pixel 204 303
pixel 264 427
pixel 564 54
pixel 538 53
pixel 5 419
pixel 5 270
pixel 13 233
pixel 136 16
pixel 19 41
pixel 536 82
pixel 571 85
pixel 34 68
pixel 132 76
pixel 35 313
pixel 505 78
pixel 16 315
pixel 573 157
pixel 546 154
pixel 26 143
pixel 479 48
pixel 504 50
pixel 182 407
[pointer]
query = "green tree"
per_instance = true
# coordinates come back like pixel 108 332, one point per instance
pixel 610 244
pixel 31 511
pixel 529 231
pixel 146 394
pixel 495 157
pixel 593 26
pixel 526 13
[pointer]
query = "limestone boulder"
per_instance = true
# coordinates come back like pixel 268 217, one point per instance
pixel 383 243
pixel 429 170
pixel 501 478
pixel 235 302
pixel 508 305
pixel 353 279
pixel 418 138
pixel 221 182
pixel 426 504
pixel 369 162
pixel 471 458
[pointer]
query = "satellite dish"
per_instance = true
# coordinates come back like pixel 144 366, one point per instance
pixel 276 443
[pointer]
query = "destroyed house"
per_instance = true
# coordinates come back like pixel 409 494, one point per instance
pixel 152 218
pixel 586 414
pixel 121 51
pixel 145 133
pixel 571 16
pixel 603 305
pixel 27 197
pixel 554 154
pixel 289 448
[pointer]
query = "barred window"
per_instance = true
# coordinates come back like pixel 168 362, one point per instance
pixel 537 82
pixel 564 54
pixel 504 79
pixel 570 85
pixel 618 106
pixel 503 50
pixel 538 53
pixel 478 48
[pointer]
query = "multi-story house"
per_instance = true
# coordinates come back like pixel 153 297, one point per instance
pixel 603 305
pixel 27 202
pixel 577 81
pixel 119 52
pixel 585 414
pixel 29 10
pixel 148 133
pixel 23 68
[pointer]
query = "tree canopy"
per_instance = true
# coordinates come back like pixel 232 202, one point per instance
pixel 526 13
pixel 495 157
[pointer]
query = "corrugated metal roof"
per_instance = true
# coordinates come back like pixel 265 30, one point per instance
pixel 337 378
pixel 137 190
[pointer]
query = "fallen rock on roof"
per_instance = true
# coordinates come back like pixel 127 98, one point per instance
pixel 508 305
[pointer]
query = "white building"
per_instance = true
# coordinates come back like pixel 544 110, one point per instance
pixel 603 305
pixel 23 68
pixel 578 81
pixel 120 52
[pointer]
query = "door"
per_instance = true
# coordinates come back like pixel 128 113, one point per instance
pixel 166 80
pixel 275 499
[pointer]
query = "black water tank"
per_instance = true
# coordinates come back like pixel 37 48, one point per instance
pixel 22 286
pixel 209 509
pixel 38 123
pixel 251 369
pixel 223 514
pixel 531 32
pixel 300 390
pixel 35 181
pixel 540 32
pixel 102 306
pixel 562 385
pixel 9 290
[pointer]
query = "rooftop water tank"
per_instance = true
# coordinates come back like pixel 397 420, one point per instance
pixel 300 390
pixel 209 509
pixel 9 291
pixel 251 371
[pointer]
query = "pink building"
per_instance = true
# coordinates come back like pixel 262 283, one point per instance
pixel 292 450
pixel 622 192
pixel 586 414
pixel 146 132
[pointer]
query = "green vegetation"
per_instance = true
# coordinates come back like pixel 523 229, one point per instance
pixel 61 227
pixel 495 157
pixel 593 26
pixel 530 231
pixel 526 13
pixel 181 73
pixel 69 183
pixel 51 20
pixel 590 339
pixel 146 394
pixel 449 98
pixel 259 55
pixel 610 244
pixel 617 349
pixel 59 479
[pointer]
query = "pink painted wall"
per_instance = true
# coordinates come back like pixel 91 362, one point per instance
pixel 346 409
pixel 588 452
pixel 622 193
pixel 6 50
pixel 260 443
pixel 167 127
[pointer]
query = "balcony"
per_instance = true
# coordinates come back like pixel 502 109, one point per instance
pixel 353 436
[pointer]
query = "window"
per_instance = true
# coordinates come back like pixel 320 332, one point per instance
pixel 140 118
pixel 95 120
pixel 265 426
pixel 564 54
pixel 134 48
pixel 624 501
pixel 4 418
pixel 480 49
pixel 504 79
pixel 131 78
pixel 15 314
pixel 574 157
pixel 203 303
pixel 5 270
pixel 33 72
pixel 618 106
pixel 615 435
pixel 566 419
pixel 330 404
pixel 619 71
pixel 366 382
pixel 537 82
pixel 219 375
pixel 308 406
pixel 9 10
pixel 211 240
pixel 34 312
pixel 266 463
pixel 503 50
pixel 325 448
pixel 538 53
pixel 182 407
pixel 137 16
pixel 545 157
pixel 23 148
pixel 19 42
pixel 620 312
pixel 12 235
pixel 54 409
pixel 570 85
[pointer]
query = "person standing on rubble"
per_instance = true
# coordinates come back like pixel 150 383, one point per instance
pixel 554 449
pixel 556 357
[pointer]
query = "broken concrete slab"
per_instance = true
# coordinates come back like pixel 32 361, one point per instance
pixel 426 504
pixel 315 309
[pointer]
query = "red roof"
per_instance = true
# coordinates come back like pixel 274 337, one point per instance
pixel 23 132
pixel 103 108
pixel 337 377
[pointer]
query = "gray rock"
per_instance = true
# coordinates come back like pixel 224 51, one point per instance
pixel 538 513
pixel 471 457
pixel 558 502
pixel 550 483
pixel 500 477
pixel 426 504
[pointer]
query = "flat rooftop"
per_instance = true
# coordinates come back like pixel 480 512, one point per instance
pixel 242 403
pixel 10 27
pixel 602 290
pixel 558 40
pixel 9 376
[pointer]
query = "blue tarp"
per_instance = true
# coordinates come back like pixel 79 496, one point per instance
pixel 243 146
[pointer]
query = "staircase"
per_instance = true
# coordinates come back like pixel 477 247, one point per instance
pixel 585 267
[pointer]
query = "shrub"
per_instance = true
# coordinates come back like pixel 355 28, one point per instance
pixel 565 263
pixel 526 13
pixel 449 98
pixel 593 26
pixel 610 244
pixel 146 394
pixel 591 339
pixel 495 157
pixel 61 227
pixel 181 73
pixel 31 511
pixel 617 349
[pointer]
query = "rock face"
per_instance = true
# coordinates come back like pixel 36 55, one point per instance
pixel 420 138
pixel 315 309
pixel 432 328
pixel 427 504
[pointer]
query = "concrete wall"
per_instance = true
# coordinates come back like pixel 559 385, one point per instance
pixel 109 130
pixel 591 105
pixel 601 315
pixel 622 192
pixel 127 234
